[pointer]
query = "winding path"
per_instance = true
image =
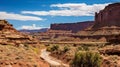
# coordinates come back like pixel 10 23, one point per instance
pixel 51 60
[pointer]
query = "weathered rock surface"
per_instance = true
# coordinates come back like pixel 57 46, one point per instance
pixel 51 34
pixel 9 35
pixel 18 49
pixel 74 27
pixel 11 56
pixel 111 50
pixel 110 16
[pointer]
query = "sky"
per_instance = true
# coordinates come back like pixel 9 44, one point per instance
pixel 37 14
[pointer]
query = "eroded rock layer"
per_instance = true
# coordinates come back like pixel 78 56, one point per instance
pixel 110 16
pixel 9 35
pixel 74 27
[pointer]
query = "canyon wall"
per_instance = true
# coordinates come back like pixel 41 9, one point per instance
pixel 74 27
pixel 106 26
pixel 109 16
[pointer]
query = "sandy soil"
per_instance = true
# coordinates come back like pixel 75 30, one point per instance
pixel 51 60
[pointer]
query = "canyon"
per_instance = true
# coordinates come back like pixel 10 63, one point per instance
pixel 103 37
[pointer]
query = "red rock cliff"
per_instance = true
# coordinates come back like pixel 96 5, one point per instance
pixel 110 16
pixel 74 27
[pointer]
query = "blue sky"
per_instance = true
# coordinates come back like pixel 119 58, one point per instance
pixel 36 14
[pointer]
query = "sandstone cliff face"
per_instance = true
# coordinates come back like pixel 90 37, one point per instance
pixel 110 16
pixel 106 27
pixel 9 35
pixel 74 27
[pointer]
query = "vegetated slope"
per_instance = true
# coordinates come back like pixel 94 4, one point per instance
pixel 18 49
pixel 22 56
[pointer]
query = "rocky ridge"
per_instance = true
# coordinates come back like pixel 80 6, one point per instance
pixel 18 49
pixel 9 35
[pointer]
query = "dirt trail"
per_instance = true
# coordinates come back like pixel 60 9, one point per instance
pixel 51 60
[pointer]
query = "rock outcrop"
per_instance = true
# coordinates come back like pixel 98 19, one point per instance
pixel 15 49
pixel 74 27
pixel 51 34
pixel 5 26
pixel 9 35
pixel 110 16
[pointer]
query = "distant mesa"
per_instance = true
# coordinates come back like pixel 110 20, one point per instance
pixel 74 27
pixel 34 31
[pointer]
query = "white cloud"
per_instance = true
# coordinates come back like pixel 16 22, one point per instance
pixel 32 27
pixel 70 9
pixel 12 16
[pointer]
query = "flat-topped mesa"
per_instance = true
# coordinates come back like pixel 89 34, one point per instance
pixel 109 16
pixel 74 27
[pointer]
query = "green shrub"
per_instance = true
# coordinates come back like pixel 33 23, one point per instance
pixel 86 48
pixel 79 48
pixel 66 48
pixel 86 59
pixel 53 48
pixel 83 48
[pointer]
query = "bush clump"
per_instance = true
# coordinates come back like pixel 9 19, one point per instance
pixel 83 48
pixel 53 48
pixel 86 48
pixel 86 59
pixel 80 48
pixel 66 48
